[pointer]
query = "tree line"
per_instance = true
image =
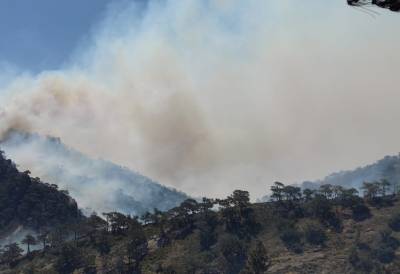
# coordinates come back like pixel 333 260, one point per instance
pixel 231 225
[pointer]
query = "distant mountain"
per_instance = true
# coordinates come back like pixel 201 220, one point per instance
pixel 97 185
pixel 387 168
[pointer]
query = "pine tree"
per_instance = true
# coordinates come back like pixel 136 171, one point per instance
pixel 257 260
pixel 11 253
pixel 43 236
pixel 29 240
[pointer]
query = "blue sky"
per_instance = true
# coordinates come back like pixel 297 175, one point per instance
pixel 38 35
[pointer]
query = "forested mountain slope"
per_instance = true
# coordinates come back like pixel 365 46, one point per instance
pixel 97 185
pixel 312 231
pixel 28 202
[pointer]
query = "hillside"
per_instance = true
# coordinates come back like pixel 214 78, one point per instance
pixel 97 185
pixel 386 168
pixel 324 231
pixel 29 203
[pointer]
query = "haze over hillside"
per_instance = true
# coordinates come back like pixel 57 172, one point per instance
pixel 227 100
pixel 27 205
pixel 97 185
pixel 386 168
pixel 209 96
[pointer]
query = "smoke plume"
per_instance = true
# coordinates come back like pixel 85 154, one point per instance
pixel 208 96
pixel 96 185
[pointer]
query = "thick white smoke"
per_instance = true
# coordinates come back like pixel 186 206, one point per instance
pixel 208 96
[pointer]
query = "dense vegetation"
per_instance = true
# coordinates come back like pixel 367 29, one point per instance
pixel 331 230
pixel 28 202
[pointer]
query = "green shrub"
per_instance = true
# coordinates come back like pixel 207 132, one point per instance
pixel 232 248
pixel 70 258
pixel 207 239
pixel 394 222
pixel 291 237
pixel 385 254
pixel 257 261
pixel 315 234
pixel 361 260
pixel 388 240
pixel 360 212
pixel 233 251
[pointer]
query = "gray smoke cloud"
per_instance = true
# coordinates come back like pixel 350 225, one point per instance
pixel 209 96
pixel 96 185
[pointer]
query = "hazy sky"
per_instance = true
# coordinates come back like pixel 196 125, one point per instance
pixel 209 96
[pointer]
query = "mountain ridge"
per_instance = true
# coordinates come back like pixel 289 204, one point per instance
pixel 97 185
pixel 386 168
